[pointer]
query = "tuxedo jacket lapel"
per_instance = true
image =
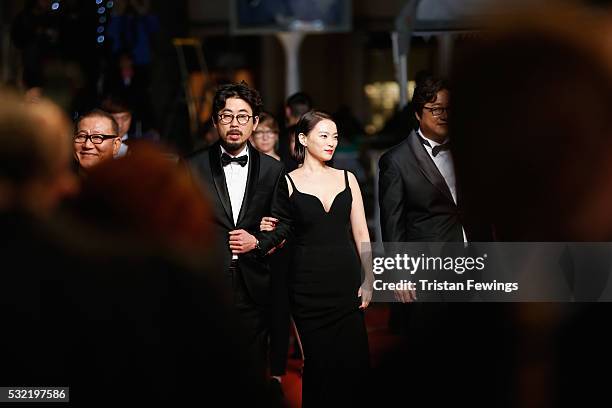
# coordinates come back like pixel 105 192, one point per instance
pixel 219 178
pixel 427 166
pixel 251 185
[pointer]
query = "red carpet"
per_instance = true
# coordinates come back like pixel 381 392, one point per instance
pixel 377 316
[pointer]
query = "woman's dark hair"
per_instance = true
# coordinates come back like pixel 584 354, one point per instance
pixel 305 125
pixel 426 91
pixel 242 91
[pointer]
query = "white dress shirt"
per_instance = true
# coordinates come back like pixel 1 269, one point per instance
pixel 236 180
pixel 446 166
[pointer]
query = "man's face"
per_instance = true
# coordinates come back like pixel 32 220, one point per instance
pixel 233 134
pixel 124 120
pixel 89 154
pixel 435 127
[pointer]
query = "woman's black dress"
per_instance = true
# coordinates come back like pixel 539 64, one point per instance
pixel 325 276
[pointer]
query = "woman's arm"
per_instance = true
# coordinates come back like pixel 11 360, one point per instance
pixel 361 237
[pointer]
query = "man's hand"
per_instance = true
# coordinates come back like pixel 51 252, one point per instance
pixel 405 296
pixel 241 242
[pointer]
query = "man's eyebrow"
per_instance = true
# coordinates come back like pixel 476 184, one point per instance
pixel 231 111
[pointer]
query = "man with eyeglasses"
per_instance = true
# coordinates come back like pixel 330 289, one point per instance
pixel 417 188
pixel 96 139
pixel 244 186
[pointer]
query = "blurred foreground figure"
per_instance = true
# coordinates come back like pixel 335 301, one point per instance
pixel 114 313
pixel 534 155
pixel 149 195
pixel 533 131
pixel 34 157
pixel 532 142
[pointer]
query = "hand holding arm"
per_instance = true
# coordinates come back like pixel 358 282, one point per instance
pixel 281 211
pixel 269 224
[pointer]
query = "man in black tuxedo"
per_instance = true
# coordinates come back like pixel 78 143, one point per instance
pixel 244 186
pixel 418 197
pixel 418 193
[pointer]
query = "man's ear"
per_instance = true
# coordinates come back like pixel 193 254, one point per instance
pixel 116 145
pixel 416 114
pixel 255 122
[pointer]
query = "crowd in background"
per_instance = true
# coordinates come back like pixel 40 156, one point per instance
pixel 108 251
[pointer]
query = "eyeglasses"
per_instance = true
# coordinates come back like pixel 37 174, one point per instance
pixel 265 134
pixel 438 111
pixel 95 139
pixel 227 118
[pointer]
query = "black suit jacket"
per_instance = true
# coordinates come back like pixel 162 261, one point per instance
pixel 266 194
pixel 415 201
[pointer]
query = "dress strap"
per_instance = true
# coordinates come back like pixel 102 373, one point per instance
pixel 291 181
pixel 346 178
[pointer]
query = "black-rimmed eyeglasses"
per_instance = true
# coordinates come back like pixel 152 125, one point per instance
pixel 227 118
pixel 95 139
pixel 438 111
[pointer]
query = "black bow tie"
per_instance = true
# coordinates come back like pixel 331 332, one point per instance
pixel 436 149
pixel 227 159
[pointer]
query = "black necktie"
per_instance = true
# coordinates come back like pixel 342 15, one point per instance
pixel 436 149
pixel 227 159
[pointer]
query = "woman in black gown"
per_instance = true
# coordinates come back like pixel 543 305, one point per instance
pixel 326 293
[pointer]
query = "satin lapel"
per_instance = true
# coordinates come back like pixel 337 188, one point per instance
pixel 427 166
pixel 219 178
pixel 252 179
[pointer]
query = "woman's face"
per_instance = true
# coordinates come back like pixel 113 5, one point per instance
pixel 322 140
pixel 264 139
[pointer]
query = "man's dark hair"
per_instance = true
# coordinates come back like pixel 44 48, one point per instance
pixel 116 103
pixel 299 103
pixel 100 114
pixel 426 91
pixel 242 91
